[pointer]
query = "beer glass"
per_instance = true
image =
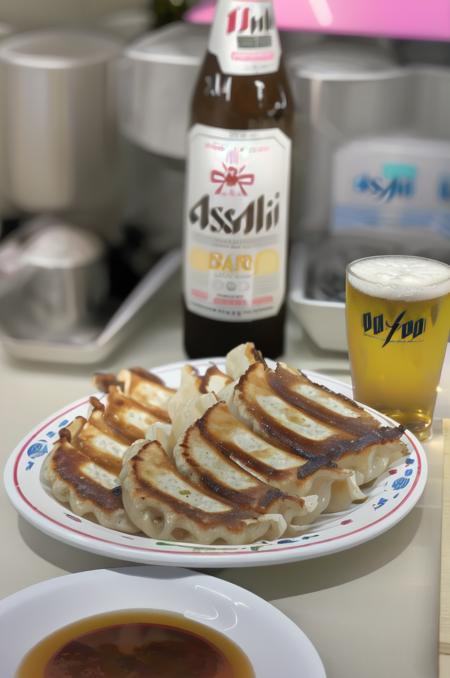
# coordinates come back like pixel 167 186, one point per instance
pixel 398 322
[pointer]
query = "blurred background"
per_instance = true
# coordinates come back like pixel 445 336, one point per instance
pixel 94 109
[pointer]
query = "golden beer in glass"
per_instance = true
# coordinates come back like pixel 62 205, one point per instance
pixel 398 323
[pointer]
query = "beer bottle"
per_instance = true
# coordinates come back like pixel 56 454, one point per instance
pixel 237 193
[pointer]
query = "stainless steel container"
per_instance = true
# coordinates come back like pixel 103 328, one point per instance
pixel 59 117
pixel 363 118
pixel 157 79
pixel 342 92
pixel 26 15
pixel 431 100
pixel 54 278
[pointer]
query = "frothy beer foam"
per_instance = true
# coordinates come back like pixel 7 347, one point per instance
pixel 400 277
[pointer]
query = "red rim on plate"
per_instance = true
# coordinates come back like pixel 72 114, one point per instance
pixel 349 532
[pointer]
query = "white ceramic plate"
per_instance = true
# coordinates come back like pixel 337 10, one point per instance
pixel 390 499
pixel 272 642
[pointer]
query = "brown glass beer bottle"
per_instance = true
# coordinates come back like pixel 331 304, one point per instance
pixel 237 187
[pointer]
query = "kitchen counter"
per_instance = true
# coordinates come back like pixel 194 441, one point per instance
pixel 371 611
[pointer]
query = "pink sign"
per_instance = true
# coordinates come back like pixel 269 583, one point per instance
pixel 421 19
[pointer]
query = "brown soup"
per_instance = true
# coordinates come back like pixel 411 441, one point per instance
pixel 137 644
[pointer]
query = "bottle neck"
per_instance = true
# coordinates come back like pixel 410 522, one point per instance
pixel 244 37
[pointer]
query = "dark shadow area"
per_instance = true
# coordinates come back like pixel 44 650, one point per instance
pixel 272 582
pixel 302 577
pixel 61 555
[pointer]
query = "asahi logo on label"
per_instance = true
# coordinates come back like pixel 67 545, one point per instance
pixel 236 222
pixel 257 216
pixel 244 38
pixel 400 329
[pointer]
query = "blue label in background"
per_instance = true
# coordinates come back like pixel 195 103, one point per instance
pixel 443 191
pixel 398 180
pixel 347 217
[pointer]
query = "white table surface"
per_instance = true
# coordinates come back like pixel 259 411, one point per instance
pixel 371 612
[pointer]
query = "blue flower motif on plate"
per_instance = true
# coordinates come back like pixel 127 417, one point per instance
pixel 400 483
pixel 37 449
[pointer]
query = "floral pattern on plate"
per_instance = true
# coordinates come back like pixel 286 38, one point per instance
pixel 390 498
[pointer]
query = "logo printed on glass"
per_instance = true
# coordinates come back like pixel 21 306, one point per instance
pixel 400 330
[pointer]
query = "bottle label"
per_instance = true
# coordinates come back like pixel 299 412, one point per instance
pixel 236 222
pixel 244 37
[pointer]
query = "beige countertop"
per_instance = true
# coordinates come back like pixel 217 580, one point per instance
pixel 371 611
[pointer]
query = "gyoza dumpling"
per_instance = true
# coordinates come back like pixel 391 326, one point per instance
pixel 239 359
pixel 77 479
pixel 188 403
pixel 128 417
pixel 214 380
pixel 373 447
pixel 201 459
pixel 166 505
pixel 138 384
pixel 308 420
pixel 334 488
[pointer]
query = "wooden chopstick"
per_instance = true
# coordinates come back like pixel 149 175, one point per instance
pixel 444 614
